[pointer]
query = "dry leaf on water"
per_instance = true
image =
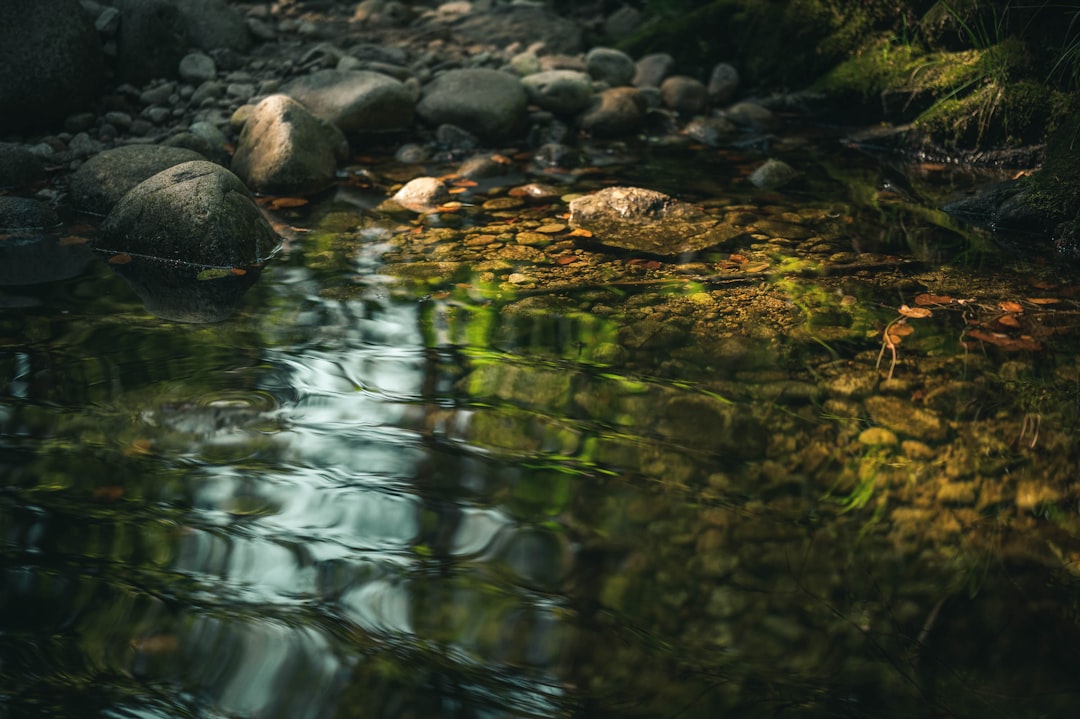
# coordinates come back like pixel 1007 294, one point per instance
pixel 914 312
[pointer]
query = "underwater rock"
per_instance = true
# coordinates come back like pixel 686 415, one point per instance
pixel 773 175
pixel 633 218
pixel 904 418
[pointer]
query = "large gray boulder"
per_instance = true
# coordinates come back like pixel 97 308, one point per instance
pixel 197 213
pixel 285 150
pixel 634 218
pixel 151 40
pixel 614 112
pixel 105 178
pixel 51 63
pixel 488 103
pixel 357 101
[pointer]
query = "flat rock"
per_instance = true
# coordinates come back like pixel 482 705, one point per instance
pixel 357 101
pixel 633 218
pixel 489 103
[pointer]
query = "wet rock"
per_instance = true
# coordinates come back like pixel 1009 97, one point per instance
pixel 614 112
pixel 196 212
pixel 105 178
pixel 286 150
pixel 684 95
pixel 422 194
pixel 197 67
pixel 490 103
pixel 23 213
pixel 196 143
pixel 52 62
pixel 633 218
pixel 752 115
pixel 723 83
pixel 480 167
pixel 19 167
pixel 357 101
pixel 622 23
pixel 610 66
pixel 878 437
pixel 563 92
pixel 555 154
pixel 29 251
pixel 650 70
pixel 904 418
pixel 712 131
pixel 773 174
pixel 706 423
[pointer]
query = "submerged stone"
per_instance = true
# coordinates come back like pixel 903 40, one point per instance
pixel 633 218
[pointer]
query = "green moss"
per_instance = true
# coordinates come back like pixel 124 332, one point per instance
pixel 876 66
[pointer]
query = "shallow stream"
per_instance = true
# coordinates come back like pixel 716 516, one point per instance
pixel 474 464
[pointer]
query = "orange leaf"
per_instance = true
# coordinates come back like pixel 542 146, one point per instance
pixel 915 312
pixel 457 190
pixel 448 207
pixel 736 257
pixel 1043 300
pixel 901 329
pixel 73 240
pixel 1005 342
pixel 1008 306
pixel 566 259
pixel 281 203
pixel 893 339
pixel 1008 321
pixel 463 182
pixel 121 259
pixel 238 271
pixel 928 299
pixel 579 232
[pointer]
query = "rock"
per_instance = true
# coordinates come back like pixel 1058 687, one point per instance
pixel 29 252
pixel 557 155
pixel 723 83
pixel 633 218
pixel 524 24
pixel 684 95
pixel 357 101
pixel 650 70
pixel 105 178
pixel 151 41
pixel 610 66
pixel 772 175
pixel 197 67
pixel 213 25
pixel 423 194
pixel 285 150
pixel 482 167
pixel 752 115
pixel 563 92
pixel 22 213
pixel 490 103
pixel 195 212
pixel 52 63
pixel 704 423
pixel 712 131
pixel 903 418
pixel 614 112
pixel 525 63
pixel 19 167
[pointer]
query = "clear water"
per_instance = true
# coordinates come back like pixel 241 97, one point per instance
pixel 370 493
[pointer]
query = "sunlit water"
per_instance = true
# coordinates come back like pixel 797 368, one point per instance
pixel 359 497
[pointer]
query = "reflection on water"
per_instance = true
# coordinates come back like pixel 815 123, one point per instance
pixel 362 497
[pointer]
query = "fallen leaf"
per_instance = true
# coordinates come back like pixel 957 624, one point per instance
pixel 566 259
pixel 448 207
pixel 1043 300
pixel 928 299
pixel 914 312
pixel 464 182
pixel 1014 307
pixel 579 232
pixel 901 329
pixel 282 203
pixel 73 240
pixel 238 271
pixel 893 339
pixel 756 267
pixel 1005 342
pixel 120 259
pixel 1008 321
pixel 736 257
pixel 457 190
